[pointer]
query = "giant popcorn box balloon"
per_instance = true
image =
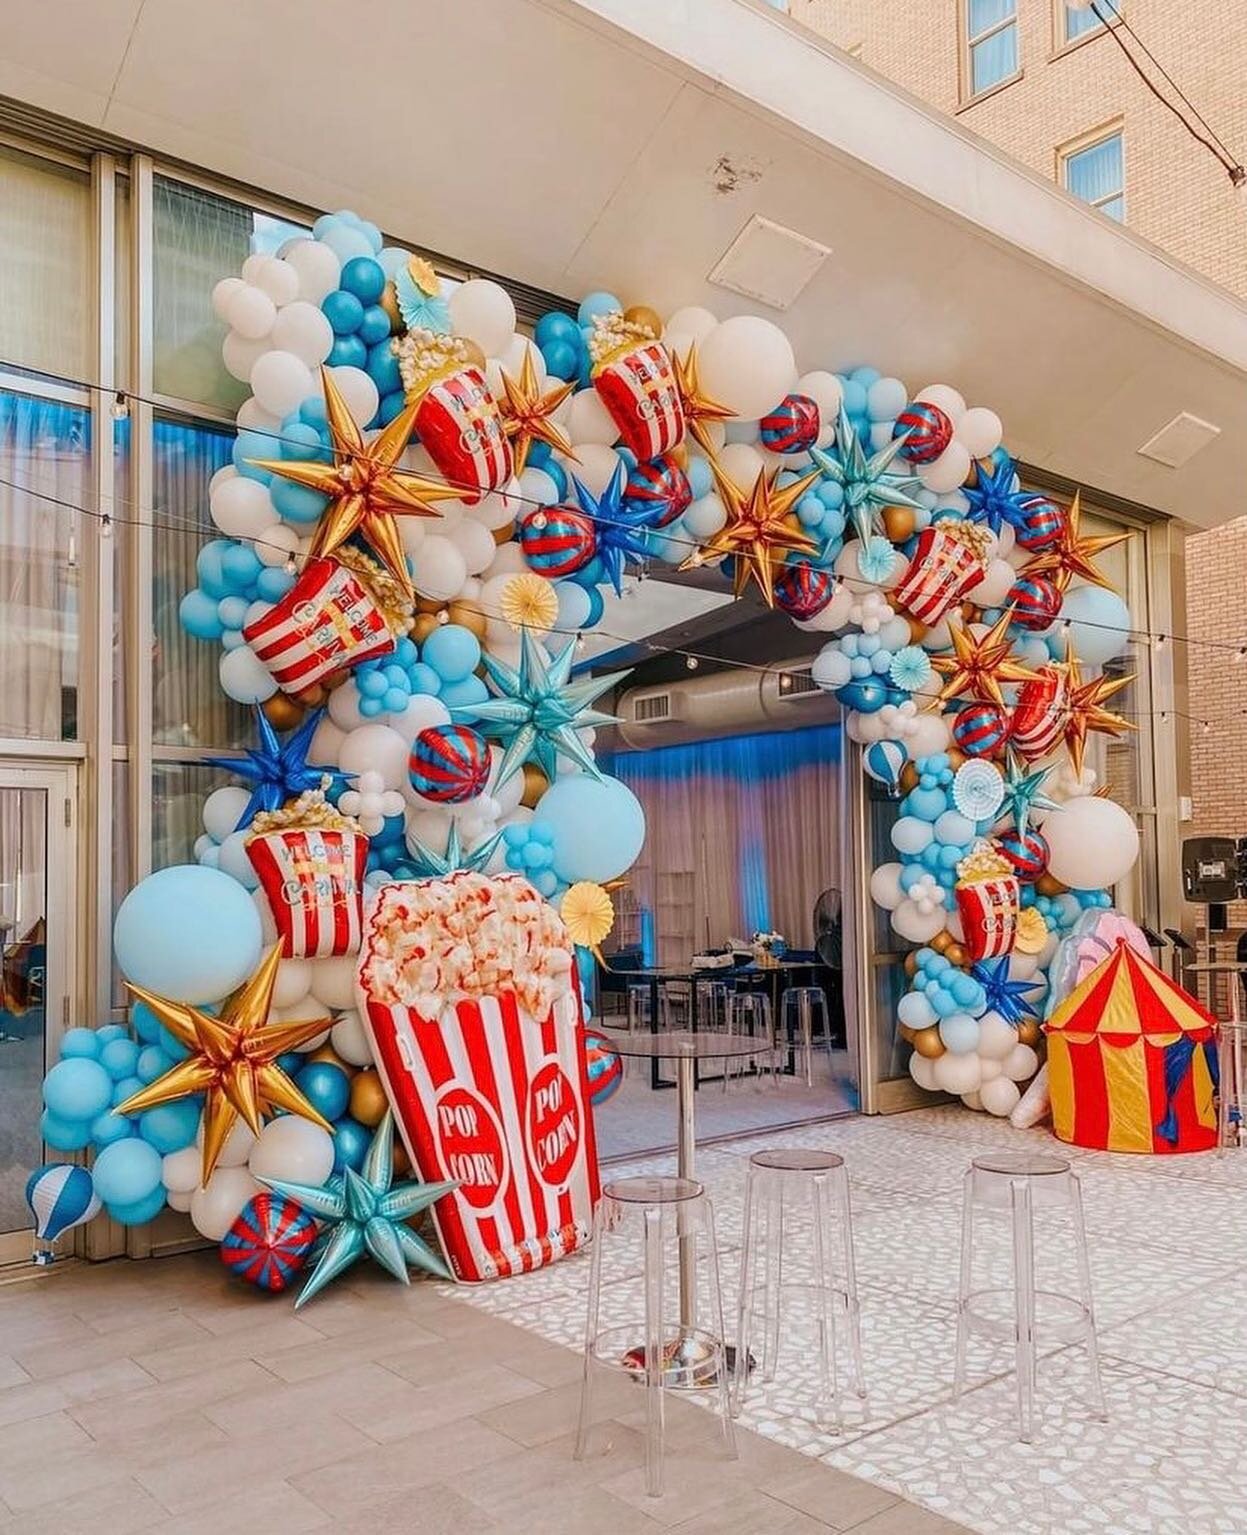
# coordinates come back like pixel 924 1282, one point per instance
pixel 636 382
pixel 310 861
pixel 269 1242
pixel 988 897
pixel 328 620
pixel 1040 714
pixel 471 999
pixel 947 562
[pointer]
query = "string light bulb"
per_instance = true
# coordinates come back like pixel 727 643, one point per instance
pixel 106 525
pixel 692 663
pixel 290 567
pixel 119 410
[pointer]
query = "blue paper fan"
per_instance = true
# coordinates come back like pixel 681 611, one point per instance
pixel 978 790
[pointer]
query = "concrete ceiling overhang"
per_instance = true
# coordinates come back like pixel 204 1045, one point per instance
pixel 623 144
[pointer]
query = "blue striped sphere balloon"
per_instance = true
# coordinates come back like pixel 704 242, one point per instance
pixel 269 1241
pixel 658 492
pixel 556 541
pixel 793 426
pixel 1028 854
pixel 1035 601
pixel 1041 525
pixel 981 729
pixel 449 764
pixel 803 591
pixel 603 1067
pixel 929 432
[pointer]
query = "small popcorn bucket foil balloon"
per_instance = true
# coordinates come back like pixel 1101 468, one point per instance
pixel 470 995
pixel 458 421
pixel 988 897
pixel 311 861
pixel 330 619
pixel 947 562
pixel 635 380
pixel 1041 713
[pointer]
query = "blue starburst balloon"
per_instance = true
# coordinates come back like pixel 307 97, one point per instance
pixel 869 483
pixel 278 770
pixel 623 533
pixel 538 712
pixel 1004 996
pixel 366 1212
pixel 994 497
pixel 431 865
pixel 1023 793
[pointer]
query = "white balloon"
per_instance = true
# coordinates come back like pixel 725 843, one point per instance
pixel 423 712
pixel 1092 843
pixel 223 809
pixel 268 927
pixel 439 568
pixel 180 1171
pixel 482 310
pixel 276 277
pixel 949 469
pixel 302 328
pixel 498 508
pixel 825 390
pixel 275 543
pixel 333 981
pixel 316 267
pixel 590 421
pixel 742 463
pixel 693 321
pixel 972 1101
pixel 250 312
pixel 922 1070
pixel 376 749
pixel 931 733
pixel 294 981
pixel 240 506
pixel 215 1209
pixel 747 363
pixel 1000 1096
pixel 946 398
pixel 705 516
pixel 914 925
pixel 995 585
pixel 255 418
pixel 679 343
pixel 223 292
pixel 293 1150
pixel 241 355
pixel 181 1202
pixel 237 1147
pixel 281 382
pixel 885 887
pixel 244 677
pixel 957 1073
pixel 474 542
pixel 509 561
pixel 594 466
pixel 979 432
pixel 232 860
pixel 350 1039
pixel 1021 1063
pixel 996 1037
pixel 360 394
pixel 512 359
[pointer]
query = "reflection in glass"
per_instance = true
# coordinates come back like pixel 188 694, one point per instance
pixel 45 256
pixel 23 973
pixel 178 793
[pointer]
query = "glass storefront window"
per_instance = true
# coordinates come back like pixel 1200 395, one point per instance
pixel 45 255
pixel 178 793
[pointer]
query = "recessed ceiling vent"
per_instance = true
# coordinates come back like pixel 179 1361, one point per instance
pixel 1179 442
pixel 769 263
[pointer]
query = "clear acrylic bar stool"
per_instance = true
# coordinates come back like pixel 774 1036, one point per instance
pixel 782 1186
pixel 665 1348
pixel 749 1012
pixel 799 1007
pixel 712 1004
pixel 675 1004
pixel 1020 1185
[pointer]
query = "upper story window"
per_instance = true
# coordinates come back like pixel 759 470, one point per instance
pixel 1096 172
pixel 1079 20
pixel 991 43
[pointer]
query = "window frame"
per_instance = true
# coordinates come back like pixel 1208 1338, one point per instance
pixel 967 44
pixel 1072 148
pixel 1063 43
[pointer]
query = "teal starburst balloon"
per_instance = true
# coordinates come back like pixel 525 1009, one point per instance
pixel 539 713
pixel 431 865
pixel 869 483
pixel 1023 793
pixel 367 1212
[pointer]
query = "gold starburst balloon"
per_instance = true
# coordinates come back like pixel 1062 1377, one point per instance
pixel 233 1060
pixel 979 664
pixel 698 408
pixel 368 489
pixel 1085 712
pixel 758 528
pixel 1073 555
pixel 528 414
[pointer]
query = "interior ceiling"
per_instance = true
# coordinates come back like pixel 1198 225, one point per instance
pixel 541 139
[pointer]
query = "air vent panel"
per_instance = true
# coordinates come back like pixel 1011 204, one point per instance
pixel 650 707
pixel 1178 442
pixel 769 262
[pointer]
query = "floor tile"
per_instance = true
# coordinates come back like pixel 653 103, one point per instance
pixel 262 1506
pixel 839 1501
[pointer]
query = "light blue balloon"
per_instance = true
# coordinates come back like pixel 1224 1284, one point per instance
pixel 599 826
pixel 423 679
pixel 927 804
pixel 109 1127
pixel 1099 624
pixel 545 882
pixel 80 1043
pixel 142 1210
pixel 959 1032
pixel 297 503
pixel 597 303
pixel 462 695
pixel 453 652
pixel 126 1172
pixel 170 1126
pixel 77 1089
pixel 124 1089
pixel 64 1134
pixel 967 991
pixel 120 1058
pixel 150 935
pixel 197 613
pixel 232 611
pixel 152 1063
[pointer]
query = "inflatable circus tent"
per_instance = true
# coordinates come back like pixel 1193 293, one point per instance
pixel 1132 1062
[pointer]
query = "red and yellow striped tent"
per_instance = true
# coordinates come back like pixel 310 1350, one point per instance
pixel 1132 1062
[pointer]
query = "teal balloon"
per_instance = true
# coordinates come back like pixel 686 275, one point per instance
pixel 170 1126
pixel 127 1172
pixel 124 1089
pixel 141 1210
pixel 145 1023
pixel 64 1134
pixel 109 1127
pixel 170 1046
pixel 150 935
pixel 598 823
pixel 326 1087
pixel 82 1043
pixel 153 1063
pixel 452 651
pixel 77 1089
pixel 110 1031
pixel 120 1058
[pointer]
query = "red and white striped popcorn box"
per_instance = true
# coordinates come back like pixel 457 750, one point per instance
pixel 313 877
pixel 638 388
pixel 943 569
pixel 1041 713
pixel 460 425
pixel 499 1102
pixel 989 915
pixel 328 620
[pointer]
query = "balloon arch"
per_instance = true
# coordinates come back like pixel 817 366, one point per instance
pixel 424 510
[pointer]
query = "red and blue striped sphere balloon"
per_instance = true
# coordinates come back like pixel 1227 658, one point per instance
pixel 556 541
pixel 1028 854
pixel 793 426
pixel 981 729
pixel 803 591
pixel 658 491
pixel 603 1067
pixel 930 432
pixel 449 764
pixel 1041 525
pixel 1035 601
pixel 269 1241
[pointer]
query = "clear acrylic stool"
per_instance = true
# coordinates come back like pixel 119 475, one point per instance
pixel 749 1012
pixel 778 1184
pixel 798 1008
pixel 712 1004
pixel 662 1349
pixel 1022 1184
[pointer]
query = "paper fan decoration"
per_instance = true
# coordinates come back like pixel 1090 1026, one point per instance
pixel 588 914
pixel 978 790
pixel 529 601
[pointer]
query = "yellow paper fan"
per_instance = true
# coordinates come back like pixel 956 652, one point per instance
pixel 528 601
pixel 588 915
